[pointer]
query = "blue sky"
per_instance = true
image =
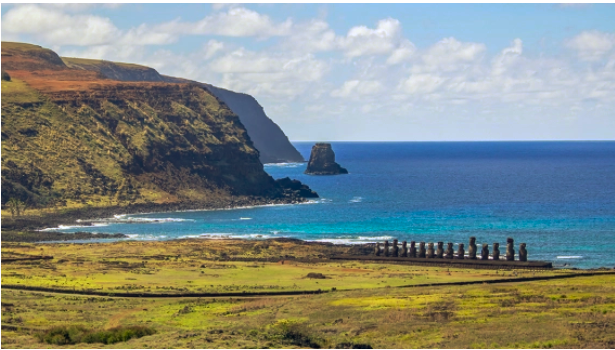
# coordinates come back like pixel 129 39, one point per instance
pixel 367 71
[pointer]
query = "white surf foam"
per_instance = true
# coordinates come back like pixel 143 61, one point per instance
pixel 223 235
pixel 68 227
pixel 570 257
pixel 245 218
pixel 353 240
pixel 283 165
pixel 356 200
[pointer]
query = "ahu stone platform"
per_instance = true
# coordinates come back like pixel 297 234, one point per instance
pixel 437 255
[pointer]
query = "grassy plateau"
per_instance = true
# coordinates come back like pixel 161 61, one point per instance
pixel 362 304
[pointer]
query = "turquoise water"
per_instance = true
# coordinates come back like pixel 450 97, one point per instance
pixel 558 197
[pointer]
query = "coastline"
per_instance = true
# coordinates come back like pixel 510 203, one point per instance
pixel 88 215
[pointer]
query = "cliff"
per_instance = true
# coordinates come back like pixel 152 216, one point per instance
pixel 73 137
pixel 322 161
pixel 268 138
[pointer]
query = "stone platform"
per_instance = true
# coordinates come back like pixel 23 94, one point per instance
pixel 463 263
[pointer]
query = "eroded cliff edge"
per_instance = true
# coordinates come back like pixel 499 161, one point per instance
pixel 73 138
pixel 268 138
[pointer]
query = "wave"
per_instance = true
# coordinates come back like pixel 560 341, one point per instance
pixel 69 227
pixel 135 220
pixel 353 240
pixel 141 237
pixel 320 200
pixel 283 165
pixel 245 218
pixel 121 217
pixel 356 200
pixel 569 257
pixel 223 235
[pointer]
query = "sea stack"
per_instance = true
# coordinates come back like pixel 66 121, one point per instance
pixel 322 161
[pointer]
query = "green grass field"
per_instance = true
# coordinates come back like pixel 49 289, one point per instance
pixel 366 309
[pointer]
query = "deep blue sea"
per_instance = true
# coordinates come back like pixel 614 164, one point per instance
pixel 558 197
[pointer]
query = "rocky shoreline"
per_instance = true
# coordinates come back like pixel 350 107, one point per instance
pixel 88 215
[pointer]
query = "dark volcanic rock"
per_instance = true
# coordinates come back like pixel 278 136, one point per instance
pixel 322 161
pixel 5 76
pixel 296 188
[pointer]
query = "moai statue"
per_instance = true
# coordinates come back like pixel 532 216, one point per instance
pixel 472 248
pixel 386 248
pixel 412 252
pixel 430 251
pixel 484 254
pixel 404 249
pixel 496 251
pixel 461 252
pixel 522 252
pixel 395 248
pixel 449 251
pixel 510 249
pixel 377 249
pixel 440 250
pixel 422 250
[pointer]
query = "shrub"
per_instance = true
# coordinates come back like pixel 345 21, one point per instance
pixel 295 333
pixel 64 335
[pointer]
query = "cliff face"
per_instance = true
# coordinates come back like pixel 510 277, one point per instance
pixel 71 136
pixel 268 138
pixel 322 161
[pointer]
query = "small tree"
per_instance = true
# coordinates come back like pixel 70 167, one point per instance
pixel 16 207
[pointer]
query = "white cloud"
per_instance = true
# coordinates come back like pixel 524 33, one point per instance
pixel 313 36
pixel 274 74
pixel 421 83
pixel 212 48
pixel 143 35
pixel 592 45
pixel 236 22
pixel 361 40
pixel 405 51
pixel 507 57
pixel 386 38
pixel 357 88
pixel 58 28
pixel 449 54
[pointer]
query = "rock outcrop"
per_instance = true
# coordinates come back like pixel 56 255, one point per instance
pixel 322 161
pixel 296 187
pixel 5 76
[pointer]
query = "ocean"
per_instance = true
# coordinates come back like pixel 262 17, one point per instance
pixel 558 197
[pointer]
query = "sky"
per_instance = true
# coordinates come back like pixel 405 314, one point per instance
pixel 366 72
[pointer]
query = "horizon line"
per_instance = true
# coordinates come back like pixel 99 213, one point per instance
pixel 569 140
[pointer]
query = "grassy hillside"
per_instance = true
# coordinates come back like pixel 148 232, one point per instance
pixel 373 304
pixel 114 70
pixel 268 138
pixel 73 138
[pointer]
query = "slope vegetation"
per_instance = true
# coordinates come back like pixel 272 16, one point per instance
pixel 71 136
pixel 268 138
